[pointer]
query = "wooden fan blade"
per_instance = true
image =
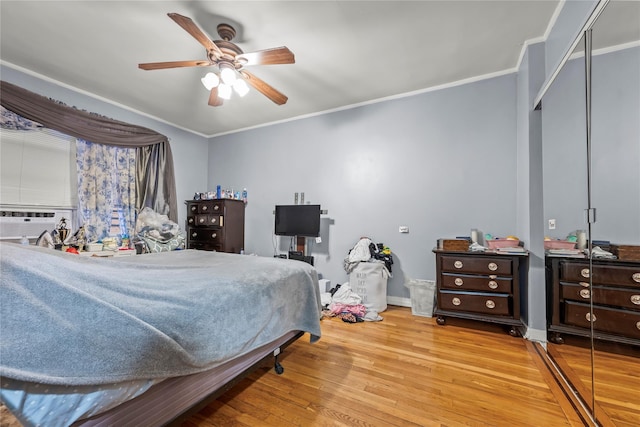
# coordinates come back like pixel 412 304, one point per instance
pixel 265 89
pixel 191 28
pixel 277 55
pixel 173 64
pixel 214 99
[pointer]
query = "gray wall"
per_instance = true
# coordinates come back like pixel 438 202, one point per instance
pixel 615 152
pixel 189 150
pixel 530 216
pixel 439 162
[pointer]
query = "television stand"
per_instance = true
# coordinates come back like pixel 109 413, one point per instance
pixel 301 244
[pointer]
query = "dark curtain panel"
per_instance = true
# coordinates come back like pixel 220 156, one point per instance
pixel 157 187
pixel 153 193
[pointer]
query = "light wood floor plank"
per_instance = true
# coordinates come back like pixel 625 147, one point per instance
pixel 403 371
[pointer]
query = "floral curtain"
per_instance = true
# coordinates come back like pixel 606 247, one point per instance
pixel 106 183
pixel 13 121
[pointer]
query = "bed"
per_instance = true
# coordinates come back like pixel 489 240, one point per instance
pixel 122 340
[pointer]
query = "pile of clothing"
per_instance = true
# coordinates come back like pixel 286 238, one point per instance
pixel 364 251
pixel 157 233
pixel 368 265
pixel 347 305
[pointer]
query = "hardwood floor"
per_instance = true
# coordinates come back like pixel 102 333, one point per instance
pixel 403 371
pixel 616 375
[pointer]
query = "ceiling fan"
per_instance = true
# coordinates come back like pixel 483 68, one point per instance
pixel 230 61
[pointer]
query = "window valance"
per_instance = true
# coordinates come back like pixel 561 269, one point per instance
pixel 156 187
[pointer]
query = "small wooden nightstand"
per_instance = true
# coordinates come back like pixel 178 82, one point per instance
pixel 485 286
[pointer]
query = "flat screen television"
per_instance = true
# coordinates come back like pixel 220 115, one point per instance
pixel 297 220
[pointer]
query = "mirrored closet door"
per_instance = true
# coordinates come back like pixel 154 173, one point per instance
pixel 615 194
pixel 591 146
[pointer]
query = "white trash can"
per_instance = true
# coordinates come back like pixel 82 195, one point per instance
pixel 423 296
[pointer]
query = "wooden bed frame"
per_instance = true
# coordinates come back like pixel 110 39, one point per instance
pixel 172 401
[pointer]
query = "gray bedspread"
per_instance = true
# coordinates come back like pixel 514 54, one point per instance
pixel 67 319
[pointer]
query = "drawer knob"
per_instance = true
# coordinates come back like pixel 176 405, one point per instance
pixel 190 220
pixel 456 301
pixel 490 304
pixel 590 317
pixel 635 299
pixel 216 207
pixel 636 277
pixel 193 208
pixel 493 284
pixel 584 284
pixel 458 264
pixel 638 325
pixel 214 235
pixel 458 281
pixel 493 266
pixel 201 220
pixel 584 272
pixel 194 234
pixel 213 220
pixel 584 293
pixel 204 208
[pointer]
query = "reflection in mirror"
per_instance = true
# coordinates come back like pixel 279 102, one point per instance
pixel 616 195
pixel 565 200
pixel 603 369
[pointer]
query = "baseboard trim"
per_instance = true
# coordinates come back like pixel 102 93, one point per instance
pixel 399 301
pixel 537 335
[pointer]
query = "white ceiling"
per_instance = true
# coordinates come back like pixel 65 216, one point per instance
pixel 347 52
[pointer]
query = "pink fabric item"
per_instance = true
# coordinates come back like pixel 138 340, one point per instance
pixel 357 309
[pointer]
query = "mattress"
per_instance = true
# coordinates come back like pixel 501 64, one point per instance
pixel 99 332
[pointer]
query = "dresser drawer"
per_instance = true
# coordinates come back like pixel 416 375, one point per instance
pixel 205 220
pixel 611 320
pixel 213 235
pixel 602 274
pixel 205 207
pixel 620 297
pixel 477 283
pixel 481 265
pixel 205 246
pixel 493 304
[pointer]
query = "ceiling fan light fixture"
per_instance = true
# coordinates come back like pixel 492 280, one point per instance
pixel 227 73
pixel 241 87
pixel 227 61
pixel 210 80
pixel 224 91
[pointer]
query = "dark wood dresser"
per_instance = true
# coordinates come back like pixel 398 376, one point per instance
pixel 615 292
pixel 483 286
pixel 215 225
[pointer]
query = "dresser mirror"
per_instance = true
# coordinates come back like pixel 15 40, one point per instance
pixel 591 152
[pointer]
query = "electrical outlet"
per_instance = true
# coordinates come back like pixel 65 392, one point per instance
pixel 552 224
pixel 403 229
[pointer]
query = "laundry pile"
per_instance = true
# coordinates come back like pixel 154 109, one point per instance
pixel 347 305
pixel 157 233
pixel 364 296
pixel 367 251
